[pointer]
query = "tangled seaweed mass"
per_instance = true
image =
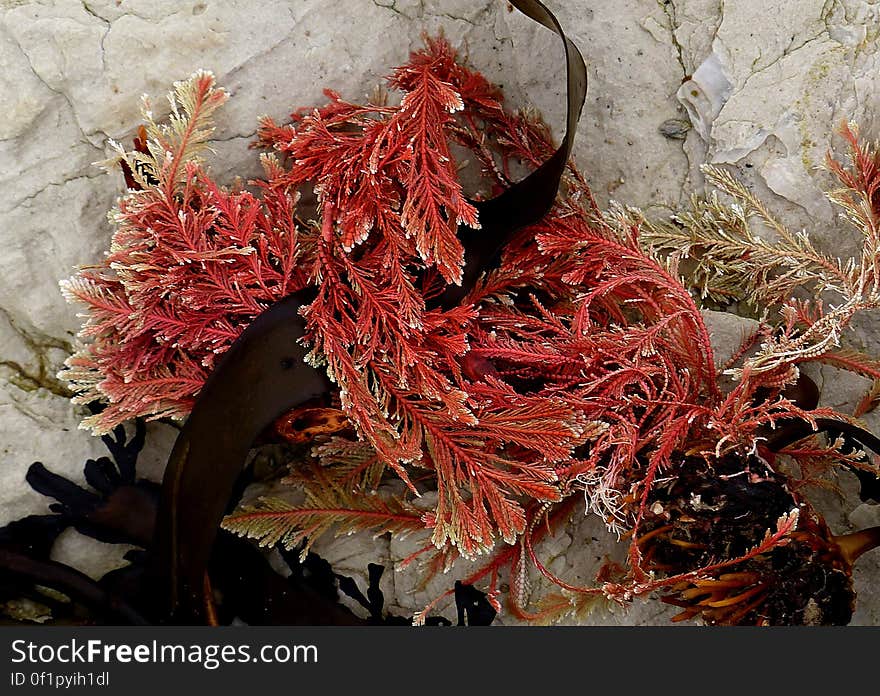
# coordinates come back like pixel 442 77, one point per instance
pixel 578 369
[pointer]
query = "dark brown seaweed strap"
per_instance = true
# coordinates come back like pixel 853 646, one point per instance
pixel 790 431
pixel 530 199
pixel 263 375
pixel 260 377
pixel 71 582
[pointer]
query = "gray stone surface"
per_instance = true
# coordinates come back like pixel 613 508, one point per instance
pixel 765 84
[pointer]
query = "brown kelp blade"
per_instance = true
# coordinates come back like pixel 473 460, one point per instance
pixel 263 375
pixel 527 201
pixel 790 431
pixel 71 582
pixel 852 546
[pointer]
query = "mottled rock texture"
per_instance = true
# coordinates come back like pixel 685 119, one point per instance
pixel 760 85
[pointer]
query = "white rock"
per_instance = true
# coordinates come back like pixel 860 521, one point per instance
pixel 727 332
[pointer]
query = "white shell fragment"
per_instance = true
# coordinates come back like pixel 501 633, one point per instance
pixel 705 93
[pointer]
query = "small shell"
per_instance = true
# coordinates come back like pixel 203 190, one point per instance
pixel 674 128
